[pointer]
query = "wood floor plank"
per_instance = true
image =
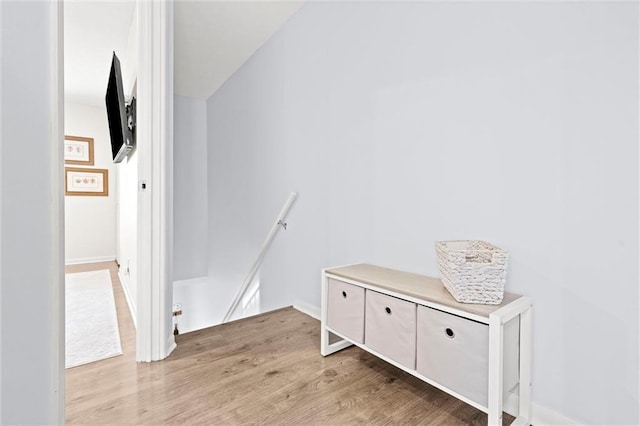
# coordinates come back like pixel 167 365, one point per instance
pixel 261 370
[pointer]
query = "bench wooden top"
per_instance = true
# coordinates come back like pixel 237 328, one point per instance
pixel 419 286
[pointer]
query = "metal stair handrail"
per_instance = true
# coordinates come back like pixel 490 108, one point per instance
pixel 279 222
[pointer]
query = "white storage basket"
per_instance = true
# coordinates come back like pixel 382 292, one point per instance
pixel 472 271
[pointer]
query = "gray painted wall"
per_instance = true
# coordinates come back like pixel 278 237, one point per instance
pixel 190 188
pixel 28 373
pixel 401 124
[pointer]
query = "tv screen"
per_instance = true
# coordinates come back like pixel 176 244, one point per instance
pixel 120 121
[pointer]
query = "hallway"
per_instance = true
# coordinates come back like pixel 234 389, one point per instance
pixel 86 381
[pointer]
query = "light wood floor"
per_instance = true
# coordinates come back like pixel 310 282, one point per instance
pixel 264 369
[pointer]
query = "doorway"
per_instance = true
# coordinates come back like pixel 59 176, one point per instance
pixel 98 233
pixel 144 216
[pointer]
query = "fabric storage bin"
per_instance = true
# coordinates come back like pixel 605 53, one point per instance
pixel 390 327
pixel 454 352
pixel 472 271
pixel 345 309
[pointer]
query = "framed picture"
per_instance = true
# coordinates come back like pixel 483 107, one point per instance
pixel 78 150
pixel 84 181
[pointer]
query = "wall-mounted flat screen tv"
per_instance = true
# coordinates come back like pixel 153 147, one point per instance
pixel 121 115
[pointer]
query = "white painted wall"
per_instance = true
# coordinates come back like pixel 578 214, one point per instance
pixel 30 265
pixel 190 188
pixel 127 185
pixel 409 123
pixel 129 58
pixel 90 222
pixel 202 306
pixel 191 287
pixel 194 288
pixel 127 217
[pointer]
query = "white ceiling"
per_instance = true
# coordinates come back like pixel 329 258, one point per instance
pixel 93 30
pixel 212 40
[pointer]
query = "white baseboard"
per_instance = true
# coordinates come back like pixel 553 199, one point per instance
pixel 171 345
pixel 544 416
pixel 82 260
pixel 190 281
pixel 132 307
pixel 305 308
pixel 539 415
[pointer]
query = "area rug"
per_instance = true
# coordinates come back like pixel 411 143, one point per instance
pixel 91 323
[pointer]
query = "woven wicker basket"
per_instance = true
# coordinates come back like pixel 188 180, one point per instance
pixel 472 271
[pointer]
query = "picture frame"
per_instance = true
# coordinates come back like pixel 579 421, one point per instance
pixel 86 181
pixel 78 150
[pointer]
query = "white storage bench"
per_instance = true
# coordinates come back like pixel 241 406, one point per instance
pixel 477 353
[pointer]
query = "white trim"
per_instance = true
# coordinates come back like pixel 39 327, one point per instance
pixel 57 209
pixel 545 416
pixel 306 308
pixel 82 260
pixel 127 295
pixel 539 415
pixel 155 339
pixel 143 141
pixel 1 117
pixel 190 281
pixel 171 344
pixel 163 173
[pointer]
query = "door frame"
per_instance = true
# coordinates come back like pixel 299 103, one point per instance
pixel 154 336
pixel 56 96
